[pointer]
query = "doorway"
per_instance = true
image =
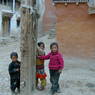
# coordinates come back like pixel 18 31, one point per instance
pixel 6 26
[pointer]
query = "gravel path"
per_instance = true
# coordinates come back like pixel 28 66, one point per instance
pixel 78 77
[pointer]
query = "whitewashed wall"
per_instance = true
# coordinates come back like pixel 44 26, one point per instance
pixel 0 24
pixel 13 26
pixel 15 31
pixel 91 3
pixel 41 7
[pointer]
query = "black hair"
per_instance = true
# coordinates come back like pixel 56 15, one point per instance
pixel 41 43
pixel 52 44
pixel 13 54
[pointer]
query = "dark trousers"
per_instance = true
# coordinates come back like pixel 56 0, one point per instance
pixel 54 79
pixel 15 83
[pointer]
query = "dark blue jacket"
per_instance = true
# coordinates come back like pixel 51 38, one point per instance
pixel 13 66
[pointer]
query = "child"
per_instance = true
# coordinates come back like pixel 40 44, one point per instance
pixel 14 72
pixel 56 66
pixel 40 73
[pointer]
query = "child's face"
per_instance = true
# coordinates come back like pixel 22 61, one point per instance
pixel 54 48
pixel 42 46
pixel 14 58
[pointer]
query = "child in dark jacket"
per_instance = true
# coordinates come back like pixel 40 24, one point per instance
pixel 14 72
pixel 56 66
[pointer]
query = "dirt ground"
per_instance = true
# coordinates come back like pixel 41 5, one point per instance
pixel 77 78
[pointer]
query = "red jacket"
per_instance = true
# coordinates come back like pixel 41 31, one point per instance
pixel 56 60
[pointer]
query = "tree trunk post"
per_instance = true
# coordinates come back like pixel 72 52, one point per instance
pixel 29 22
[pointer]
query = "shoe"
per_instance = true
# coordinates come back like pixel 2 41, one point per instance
pixel 18 91
pixel 40 88
pixel 13 93
pixel 53 93
pixel 58 91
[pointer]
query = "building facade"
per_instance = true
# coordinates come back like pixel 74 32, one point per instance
pixel 75 28
pixel 91 5
pixel 9 17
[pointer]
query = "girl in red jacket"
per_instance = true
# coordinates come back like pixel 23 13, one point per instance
pixel 56 66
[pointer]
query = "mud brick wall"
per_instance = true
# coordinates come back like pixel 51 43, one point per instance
pixel 49 19
pixel 76 30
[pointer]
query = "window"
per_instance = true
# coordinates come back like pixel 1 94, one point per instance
pixel 18 22
pixel 70 1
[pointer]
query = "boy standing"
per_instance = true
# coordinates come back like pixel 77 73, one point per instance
pixel 14 72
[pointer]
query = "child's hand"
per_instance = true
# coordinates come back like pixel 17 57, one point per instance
pixel 60 71
pixel 17 69
pixel 38 57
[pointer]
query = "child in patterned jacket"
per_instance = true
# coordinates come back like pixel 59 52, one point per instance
pixel 40 72
pixel 56 66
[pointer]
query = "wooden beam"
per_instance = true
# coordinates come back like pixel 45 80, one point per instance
pixel 28 47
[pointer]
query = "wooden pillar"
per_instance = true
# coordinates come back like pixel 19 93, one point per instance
pixel 28 47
